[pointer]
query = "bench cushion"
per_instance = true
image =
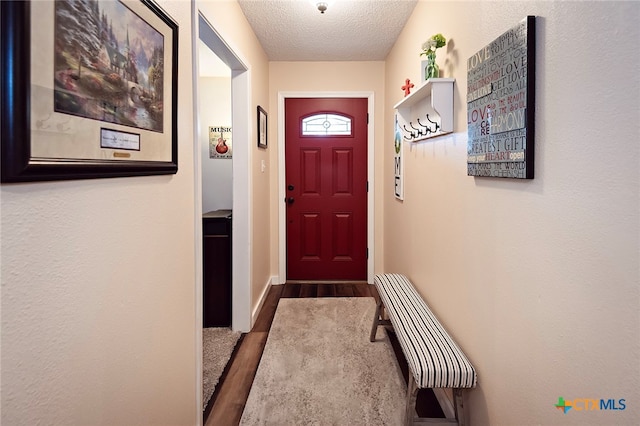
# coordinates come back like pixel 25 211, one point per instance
pixel 434 359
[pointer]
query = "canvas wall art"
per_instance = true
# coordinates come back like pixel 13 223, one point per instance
pixel 501 105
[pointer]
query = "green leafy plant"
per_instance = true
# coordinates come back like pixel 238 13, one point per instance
pixel 435 42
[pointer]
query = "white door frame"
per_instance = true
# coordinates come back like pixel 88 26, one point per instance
pixel 241 175
pixel 282 215
pixel 242 118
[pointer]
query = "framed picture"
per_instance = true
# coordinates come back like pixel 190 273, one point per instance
pixel 262 127
pixel 501 105
pixel 89 90
pixel 220 142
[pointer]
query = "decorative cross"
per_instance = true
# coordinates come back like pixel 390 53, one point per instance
pixel 408 85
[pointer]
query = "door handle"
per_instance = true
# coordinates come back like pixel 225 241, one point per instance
pixel 290 200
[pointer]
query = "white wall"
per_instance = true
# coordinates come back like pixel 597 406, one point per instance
pixel 537 280
pixel 215 110
pixel 98 304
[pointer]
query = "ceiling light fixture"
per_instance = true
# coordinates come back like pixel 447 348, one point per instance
pixel 322 6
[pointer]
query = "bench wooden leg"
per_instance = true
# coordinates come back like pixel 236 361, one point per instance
pixel 454 413
pixel 412 394
pixel 376 321
pixel 458 400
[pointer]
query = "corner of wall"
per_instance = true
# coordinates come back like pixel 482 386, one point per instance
pixel 274 280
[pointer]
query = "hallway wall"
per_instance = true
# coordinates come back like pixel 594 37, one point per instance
pixel 537 280
pixel 98 295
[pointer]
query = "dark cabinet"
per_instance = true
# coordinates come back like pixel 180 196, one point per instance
pixel 216 248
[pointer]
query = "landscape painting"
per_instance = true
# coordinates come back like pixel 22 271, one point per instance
pixel 108 64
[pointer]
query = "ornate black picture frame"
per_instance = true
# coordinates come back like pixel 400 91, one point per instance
pixel 88 128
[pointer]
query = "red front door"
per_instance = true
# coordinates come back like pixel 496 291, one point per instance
pixel 326 178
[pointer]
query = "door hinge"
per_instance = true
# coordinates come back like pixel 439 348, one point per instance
pixel 367 252
pixel 367 186
pixel 367 118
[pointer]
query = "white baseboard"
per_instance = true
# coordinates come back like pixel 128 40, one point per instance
pixel 263 296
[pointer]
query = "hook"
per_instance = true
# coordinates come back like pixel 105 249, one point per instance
pixel 413 135
pixel 418 130
pixel 437 125
pixel 428 129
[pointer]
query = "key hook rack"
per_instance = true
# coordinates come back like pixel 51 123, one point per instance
pixel 420 133
pixel 427 112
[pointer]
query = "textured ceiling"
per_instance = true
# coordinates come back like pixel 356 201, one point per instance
pixel 350 30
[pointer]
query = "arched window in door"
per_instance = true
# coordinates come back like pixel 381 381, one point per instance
pixel 325 124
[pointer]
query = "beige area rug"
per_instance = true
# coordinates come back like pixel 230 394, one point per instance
pixel 217 346
pixel 319 368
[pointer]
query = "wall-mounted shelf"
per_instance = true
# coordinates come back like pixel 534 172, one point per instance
pixel 434 96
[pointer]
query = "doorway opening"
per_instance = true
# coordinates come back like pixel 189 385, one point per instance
pixel 218 186
pixel 240 123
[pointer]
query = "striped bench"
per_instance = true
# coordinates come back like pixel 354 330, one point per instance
pixel 435 360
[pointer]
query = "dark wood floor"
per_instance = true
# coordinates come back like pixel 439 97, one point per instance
pixel 228 401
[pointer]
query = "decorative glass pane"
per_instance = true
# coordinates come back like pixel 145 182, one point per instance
pixel 326 125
